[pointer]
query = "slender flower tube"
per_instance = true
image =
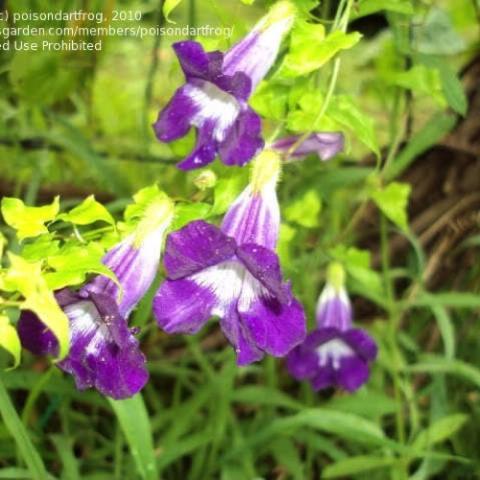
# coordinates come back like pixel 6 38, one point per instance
pixel 104 352
pixel 335 353
pixel 214 97
pixel 325 144
pixel 233 273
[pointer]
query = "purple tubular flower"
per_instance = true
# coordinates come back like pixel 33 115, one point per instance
pixel 232 272
pixel 214 97
pixel 335 353
pixel 104 352
pixel 325 144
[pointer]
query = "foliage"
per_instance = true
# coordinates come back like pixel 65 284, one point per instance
pixel 80 166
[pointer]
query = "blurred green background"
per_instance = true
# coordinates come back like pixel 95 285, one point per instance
pixel 79 123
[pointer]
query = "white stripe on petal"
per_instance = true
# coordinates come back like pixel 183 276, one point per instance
pixel 213 105
pixel 333 350
pixel 232 284
pixel 85 321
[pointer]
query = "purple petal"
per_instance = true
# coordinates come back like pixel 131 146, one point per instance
pixel 204 151
pixel 103 352
pixel 135 268
pixel 175 119
pixel 243 139
pixel 334 309
pixel 196 246
pixel 35 336
pixel 239 85
pixel 302 363
pixel 255 54
pixel 254 218
pixel 193 59
pixel 362 343
pixel 245 348
pixel 325 144
pixel 353 373
pixel 263 264
pixel 182 306
pixel 275 328
pixel 325 378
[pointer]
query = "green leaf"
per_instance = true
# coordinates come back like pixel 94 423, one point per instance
pixel 168 7
pixel 270 100
pixel 393 202
pixel 226 191
pixel 439 431
pixel 310 49
pixel 74 262
pixel 448 299
pixel 438 126
pixel 288 457
pixel 431 364
pixel 343 109
pixel 28 221
pixel 9 340
pixel 436 35
pixel 354 465
pixel 187 212
pixel 305 210
pixel 451 85
pixel 89 211
pixel 446 328
pixel 26 278
pixel 367 7
pixel 17 430
pixel 133 418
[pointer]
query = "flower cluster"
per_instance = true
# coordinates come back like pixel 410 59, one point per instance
pixel 231 272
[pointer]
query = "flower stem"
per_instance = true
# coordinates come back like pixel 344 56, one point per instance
pixel 19 433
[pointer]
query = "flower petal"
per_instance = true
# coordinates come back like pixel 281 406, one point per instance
pixel 302 363
pixel 35 336
pixel 245 348
pixel 243 139
pixel 135 268
pixel 263 264
pixel 325 144
pixel 193 59
pixel 334 309
pixel 204 151
pixel 275 328
pixel 353 373
pixel 175 119
pixel 254 218
pixel 325 378
pixel 183 306
pixel 362 343
pixel 103 352
pixel 196 246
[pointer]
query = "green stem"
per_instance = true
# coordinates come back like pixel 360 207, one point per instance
pixel 19 433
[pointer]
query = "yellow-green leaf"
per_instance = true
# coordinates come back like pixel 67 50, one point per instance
pixel 393 202
pixel 9 340
pixel 27 279
pixel 28 221
pixel 168 7
pixel 89 211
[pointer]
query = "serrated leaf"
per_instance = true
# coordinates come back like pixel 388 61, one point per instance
pixel 9 340
pixel 89 211
pixel 187 212
pixel 27 279
pixel 393 202
pixel 168 7
pixel 28 221
pixel 439 431
pixel 270 100
pixel 305 210
pixel 74 262
pixel 226 191
pixel 310 49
